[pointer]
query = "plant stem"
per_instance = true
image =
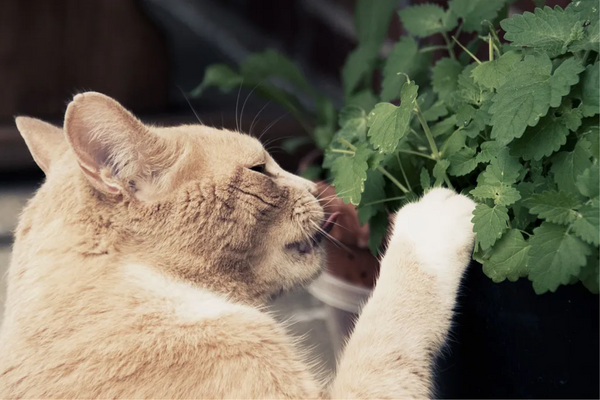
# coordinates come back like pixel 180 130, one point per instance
pixel 490 48
pixel 383 201
pixel 347 143
pixel 459 29
pixel 466 50
pixel 394 180
pixel 403 173
pixel 416 153
pixel 585 56
pixel 449 45
pixel 434 149
pixel 432 48
pixel 342 151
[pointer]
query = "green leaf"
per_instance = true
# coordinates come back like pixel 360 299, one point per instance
pixel 571 118
pixel 365 99
pixel 219 75
pixel 372 20
pixel 353 122
pixel 591 132
pixel 388 123
pixel 503 195
pixel 378 226
pixel 530 89
pixel 589 91
pixel 567 166
pixel 508 260
pixel 468 90
pixel 427 19
pixel 425 179
pixel 553 206
pixel 587 12
pixel 504 169
pixel 439 171
pixel 587 182
pixel 587 224
pixel 462 162
pixel 445 78
pixel 547 30
pixel 405 58
pixel 472 12
pixel 374 191
pixel 444 126
pixel 541 140
pixel 358 66
pixel 590 274
pixel 489 151
pixel 437 110
pixel 350 173
pixel 489 223
pixel 555 256
pixel 492 74
pixel 259 67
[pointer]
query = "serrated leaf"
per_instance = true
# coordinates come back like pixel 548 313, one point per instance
pixel 353 122
pixel 541 140
pixel 350 173
pixel 364 99
pixel 489 223
pixel 445 78
pixel 587 12
pixel 503 169
pixel 529 91
pixel 587 224
pixel 444 126
pixel 567 166
pixel 426 19
pixel 439 171
pixel 462 162
pixel 425 179
pixel 589 91
pixel 587 182
pixel 405 58
pixel 508 259
pixel 469 91
pixel 571 118
pixel 388 123
pixel 492 74
pixel 555 256
pixel 591 132
pixel 555 207
pixel 503 195
pixel 473 12
pixel 547 30
pixel 489 151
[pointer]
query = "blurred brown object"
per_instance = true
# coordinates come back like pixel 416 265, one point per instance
pixel 51 49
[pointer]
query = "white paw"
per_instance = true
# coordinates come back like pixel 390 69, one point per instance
pixel 438 230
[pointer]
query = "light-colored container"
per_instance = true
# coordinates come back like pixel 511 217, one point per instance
pixel 343 301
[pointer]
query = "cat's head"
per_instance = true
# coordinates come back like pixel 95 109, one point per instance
pixel 201 204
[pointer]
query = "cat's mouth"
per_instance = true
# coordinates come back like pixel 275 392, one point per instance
pixel 306 246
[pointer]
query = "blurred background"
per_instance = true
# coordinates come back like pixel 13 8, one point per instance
pixel 149 55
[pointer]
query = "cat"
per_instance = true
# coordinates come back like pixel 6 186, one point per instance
pixel 142 265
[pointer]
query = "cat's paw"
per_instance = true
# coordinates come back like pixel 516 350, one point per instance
pixel 438 231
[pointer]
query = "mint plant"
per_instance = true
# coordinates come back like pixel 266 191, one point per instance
pixel 517 131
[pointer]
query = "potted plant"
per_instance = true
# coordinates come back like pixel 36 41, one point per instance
pixel 516 129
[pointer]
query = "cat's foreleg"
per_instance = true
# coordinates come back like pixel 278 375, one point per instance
pixel 405 322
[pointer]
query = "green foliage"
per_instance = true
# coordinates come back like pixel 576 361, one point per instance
pixel 517 131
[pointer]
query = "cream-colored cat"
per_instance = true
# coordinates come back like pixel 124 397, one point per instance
pixel 141 265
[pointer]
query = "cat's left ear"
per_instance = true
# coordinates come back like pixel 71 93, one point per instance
pixel 45 142
pixel 113 148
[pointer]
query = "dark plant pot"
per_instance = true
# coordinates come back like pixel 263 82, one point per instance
pixel 508 342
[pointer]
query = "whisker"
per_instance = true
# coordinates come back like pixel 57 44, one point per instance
pixel 271 125
pixel 244 105
pixel 237 124
pixel 256 116
pixel 189 103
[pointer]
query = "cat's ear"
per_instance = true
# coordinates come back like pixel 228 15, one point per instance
pixel 114 149
pixel 45 142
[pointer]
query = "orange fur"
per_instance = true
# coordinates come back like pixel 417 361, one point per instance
pixel 140 267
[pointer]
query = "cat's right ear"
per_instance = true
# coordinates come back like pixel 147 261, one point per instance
pixel 46 142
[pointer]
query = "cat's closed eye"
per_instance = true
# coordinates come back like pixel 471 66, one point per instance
pixel 260 168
